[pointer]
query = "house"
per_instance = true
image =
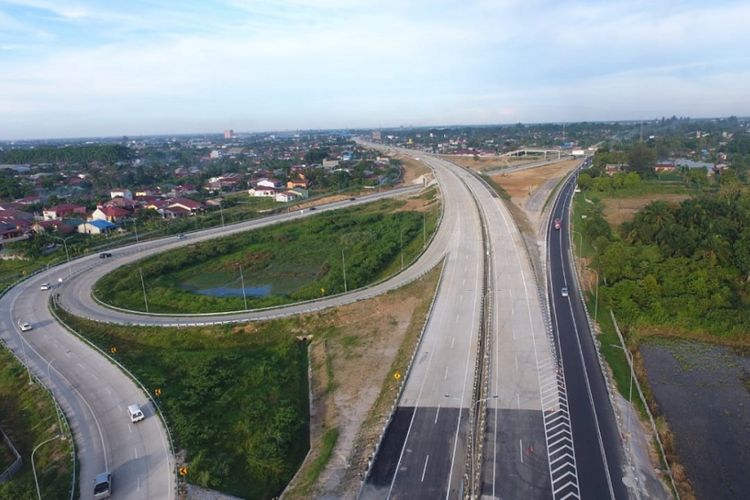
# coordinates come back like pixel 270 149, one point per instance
pixel 269 183
pixel 121 193
pixel 264 192
pixel 96 226
pixel 29 200
pixel 297 183
pixel 125 203
pixel 140 193
pixel 285 196
pixel 53 226
pixel 63 210
pixel 329 164
pixel 227 181
pixel 191 206
pixel 110 213
pixel 299 192
pixel 664 167
pixel 612 168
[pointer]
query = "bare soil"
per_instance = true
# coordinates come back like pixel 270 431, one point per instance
pixel 414 170
pixel 538 183
pixel 484 163
pixel 353 386
pixel 619 210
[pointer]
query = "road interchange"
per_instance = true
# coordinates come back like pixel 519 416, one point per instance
pixel 523 373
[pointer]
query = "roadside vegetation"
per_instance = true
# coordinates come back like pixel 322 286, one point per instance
pixel 289 262
pixel 28 417
pixel 236 396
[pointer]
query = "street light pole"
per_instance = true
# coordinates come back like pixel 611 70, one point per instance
pixel 221 211
pixel 424 231
pixel 596 296
pixel 343 268
pixel 242 281
pixel 402 249
pixel 67 255
pixel 143 287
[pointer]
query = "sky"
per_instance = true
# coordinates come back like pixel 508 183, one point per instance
pixel 74 68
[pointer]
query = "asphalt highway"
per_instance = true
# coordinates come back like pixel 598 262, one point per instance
pixel 599 455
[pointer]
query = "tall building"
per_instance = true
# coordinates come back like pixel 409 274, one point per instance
pixel 229 134
pixel 376 135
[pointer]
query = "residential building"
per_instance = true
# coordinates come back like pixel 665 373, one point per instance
pixel 191 206
pixel 96 226
pixel 110 214
pixel 63 210
pixel 121 193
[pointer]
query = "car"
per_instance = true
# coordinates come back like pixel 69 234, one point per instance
pixel 557 223
pixel 352 198
pixel 313 208
pixel 136 415
pixel 24 326
pixel 103 485
pixel 105 255
pixel 564 291
pixel 45 286
pixel 181 236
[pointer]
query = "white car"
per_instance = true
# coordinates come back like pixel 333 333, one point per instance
pixel 136 415
pixel 45 286
pixel 25 327
pixel 564 291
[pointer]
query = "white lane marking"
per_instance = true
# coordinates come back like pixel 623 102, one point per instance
pixel 453 341
pixel 445 374
pixel 437 413
pixel 457 316
pixel 425 468
pixel 130 428
pixel 518 400
pixel 520 449
pixel 516 357
pixel 135 452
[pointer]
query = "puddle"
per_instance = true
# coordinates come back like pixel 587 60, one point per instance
pixel 226 291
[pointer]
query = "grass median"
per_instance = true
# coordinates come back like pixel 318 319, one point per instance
pixel 281 264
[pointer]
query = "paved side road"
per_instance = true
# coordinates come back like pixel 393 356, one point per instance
pixel 94 395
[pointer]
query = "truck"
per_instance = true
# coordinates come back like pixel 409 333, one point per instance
pixel 557 223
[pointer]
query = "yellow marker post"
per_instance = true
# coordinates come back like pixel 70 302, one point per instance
pixel 397 376
pixel 113 350
pixel 183 471
pixel 157 391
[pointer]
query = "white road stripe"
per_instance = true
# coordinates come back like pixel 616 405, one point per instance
pixel 425 468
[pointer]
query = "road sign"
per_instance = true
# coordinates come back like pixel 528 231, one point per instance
pixel 157 391
pixel 397 375
pixel 113 350
pixel 183 471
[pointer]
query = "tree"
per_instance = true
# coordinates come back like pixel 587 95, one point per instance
pixel 641 159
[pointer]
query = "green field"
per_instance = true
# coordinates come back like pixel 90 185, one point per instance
pixel 235 397
pixel 290 262
pixel 28 417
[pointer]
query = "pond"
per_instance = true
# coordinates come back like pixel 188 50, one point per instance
pixel 704 392
pixel 226 291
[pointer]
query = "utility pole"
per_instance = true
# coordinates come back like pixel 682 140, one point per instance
pixel 143 286
pixel 424 230
pixel 242 281
pixel 221 211
pixel 343 268
pixel 402 249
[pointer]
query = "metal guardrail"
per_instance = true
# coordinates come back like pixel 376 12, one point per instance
pixel 134 379
pixel 17 463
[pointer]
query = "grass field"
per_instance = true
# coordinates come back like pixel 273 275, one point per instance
pixel 28 417
pixel 289 262
pixel 235 397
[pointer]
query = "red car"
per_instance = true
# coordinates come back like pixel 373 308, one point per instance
pixel 557 223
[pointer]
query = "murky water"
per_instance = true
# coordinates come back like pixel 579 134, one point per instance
pixel 226 291
pixel 703 392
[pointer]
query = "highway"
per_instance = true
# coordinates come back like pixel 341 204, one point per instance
pixel 548 431
pixel 599 455
pixel 94 396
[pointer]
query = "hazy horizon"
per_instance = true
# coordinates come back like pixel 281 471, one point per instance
pixel 91 69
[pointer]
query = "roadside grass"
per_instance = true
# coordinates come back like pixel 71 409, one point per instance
pixel 312 473
pixel 298 260
pixel 28 416
pixel 235 396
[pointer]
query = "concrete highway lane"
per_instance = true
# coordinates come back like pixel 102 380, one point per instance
pixel 94 396
pixel 424 450
pixel 598 449
pixel 515 461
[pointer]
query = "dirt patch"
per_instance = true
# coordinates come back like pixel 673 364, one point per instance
pixel 352 384
pixel 414 171
pixel 619 210
pixel 484 163
pixel 529 190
